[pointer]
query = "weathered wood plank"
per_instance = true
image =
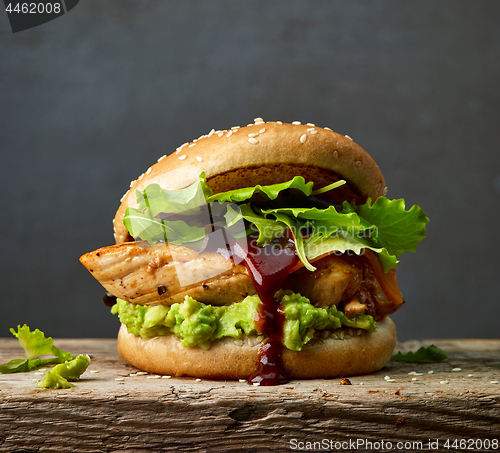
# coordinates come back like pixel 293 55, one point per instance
pixel 143 414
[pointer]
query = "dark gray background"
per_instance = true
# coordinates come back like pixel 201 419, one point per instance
pixel 89 101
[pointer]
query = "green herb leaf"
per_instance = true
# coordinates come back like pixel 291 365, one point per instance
pixel 430 354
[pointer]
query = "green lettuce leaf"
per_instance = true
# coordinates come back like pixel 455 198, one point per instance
pixel 151 229
pixel 397 230
pixel 272 191
pixel 35 344
pixel 184 201
pixel 430 354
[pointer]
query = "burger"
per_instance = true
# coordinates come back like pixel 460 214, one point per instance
pixel 265 253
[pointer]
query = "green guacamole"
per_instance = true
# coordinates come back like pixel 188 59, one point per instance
pixel 198 324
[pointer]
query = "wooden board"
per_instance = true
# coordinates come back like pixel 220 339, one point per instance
pixel 141 413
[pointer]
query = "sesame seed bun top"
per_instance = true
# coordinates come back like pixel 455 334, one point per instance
pixel 264 153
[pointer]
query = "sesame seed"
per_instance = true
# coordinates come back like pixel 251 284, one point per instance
pixel 35 380
pixel 253 141
pixel 262 130
pixel 310 129
pixel 296 123
pixel 346 136
pixel 387 378
pixel 235 128
pixel 132 183
pixel 166 377
pixel 457 369
pixel 258 120
pixel 238 342
pixel 336 154
pixel 254 134
pixel 123 198
pixel 430 372
pixel 212 132
pixel 39 373
pixel 220 134
pixel 493 382
pixel 183 145
pixel 94 371
pixel 310 124
pixel 361 383
pixel 199 159
pixel 191 145
pixel 414 379
pixel 154 377
pixel 256 384
pixel 470 375
pixel 140 177
pixel 161 158
pixel 303 138
pixel 242 380
pixel 314 132
pixel 229 134
pixel 357 163
pixel 119 379
pixel 149 171
pixel 327 128
pixel 182 157
pixel 279 122
pixel 444 382
pixel 390 380
pixel 198 380
pixel 141 373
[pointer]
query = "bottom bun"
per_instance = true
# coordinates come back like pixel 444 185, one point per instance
pixel 237 359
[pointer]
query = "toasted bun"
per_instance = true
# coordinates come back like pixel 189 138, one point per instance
pixel 264 153
pixel 236 359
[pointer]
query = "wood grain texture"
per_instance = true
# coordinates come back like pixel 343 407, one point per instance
pixel 140 414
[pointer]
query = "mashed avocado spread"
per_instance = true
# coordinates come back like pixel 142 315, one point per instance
pixel 199 324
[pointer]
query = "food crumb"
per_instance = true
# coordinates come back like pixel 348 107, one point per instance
pixel 345 381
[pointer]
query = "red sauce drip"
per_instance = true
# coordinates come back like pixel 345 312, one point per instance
pixel 269 266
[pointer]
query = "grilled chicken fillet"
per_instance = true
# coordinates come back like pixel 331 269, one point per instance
pixel 164 274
